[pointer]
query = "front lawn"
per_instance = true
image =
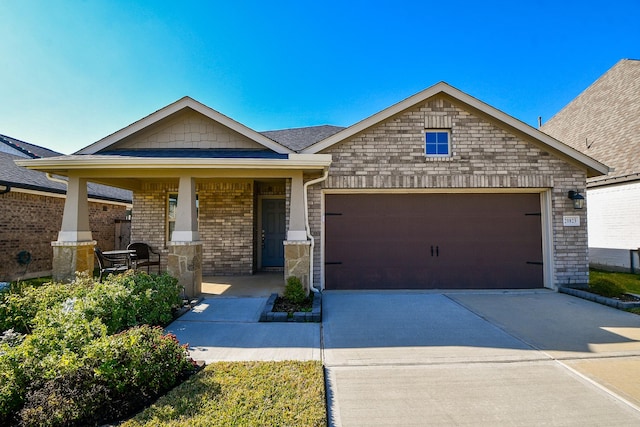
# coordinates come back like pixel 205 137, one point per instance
pixel 630 282
pixel 243 393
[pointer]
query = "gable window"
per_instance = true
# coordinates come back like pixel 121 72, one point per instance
pixel 437 143
pixel 172 205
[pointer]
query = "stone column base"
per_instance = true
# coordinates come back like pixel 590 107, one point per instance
pixel 185 264
pixel 72 257
pixel 296 261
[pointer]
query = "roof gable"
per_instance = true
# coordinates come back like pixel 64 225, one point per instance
pixel 470 103
pixel 604 120
pixel 185 119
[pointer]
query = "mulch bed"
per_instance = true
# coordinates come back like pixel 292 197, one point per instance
pixel 623 297
pixel 286 306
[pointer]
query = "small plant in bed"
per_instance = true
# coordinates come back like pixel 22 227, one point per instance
pixel 294 299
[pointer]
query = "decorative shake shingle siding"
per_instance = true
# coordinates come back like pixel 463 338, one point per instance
pixel 391 156
pixel 225 222
pixel 191 130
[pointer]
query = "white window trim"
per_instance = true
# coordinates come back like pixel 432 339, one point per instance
pixel 424 143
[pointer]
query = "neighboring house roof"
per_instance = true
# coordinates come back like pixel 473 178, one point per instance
pixel 14 176
pixel 298 139
pixel 185 103
pixel 24 149
pixel 594 168
pixel 604 122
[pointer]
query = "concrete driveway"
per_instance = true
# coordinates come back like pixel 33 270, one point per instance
pixel 479 358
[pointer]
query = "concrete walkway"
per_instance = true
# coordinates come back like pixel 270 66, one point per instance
pixel 227 329
pixel 454 358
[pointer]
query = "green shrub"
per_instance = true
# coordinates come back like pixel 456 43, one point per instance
pixel 18 307
pixel 72 399
pixel 11 390
pixel 69 327
pixel 294 291
pixel 606 288
pixel 138 365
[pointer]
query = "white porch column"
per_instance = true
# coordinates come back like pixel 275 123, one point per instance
pixel 75 219
pixel 73 251
pixel 185 247
pixel 297 230
pixel 186 229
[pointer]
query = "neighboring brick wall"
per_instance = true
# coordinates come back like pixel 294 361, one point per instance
pixel 32 221
pixel 391 156
pixel 225 222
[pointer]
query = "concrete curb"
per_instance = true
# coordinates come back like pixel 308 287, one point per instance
pixel 315 315
pixel 611 302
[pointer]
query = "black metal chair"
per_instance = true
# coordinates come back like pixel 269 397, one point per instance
pixel 145 256
pixel 109 266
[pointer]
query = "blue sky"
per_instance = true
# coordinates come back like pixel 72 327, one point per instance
pixel 74 72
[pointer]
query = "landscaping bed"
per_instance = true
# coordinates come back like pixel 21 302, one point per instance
pixel 616 290
pixel 625 303
pixel 88 353
pixel 291 312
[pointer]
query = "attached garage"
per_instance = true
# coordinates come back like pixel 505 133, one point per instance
pixel 433 241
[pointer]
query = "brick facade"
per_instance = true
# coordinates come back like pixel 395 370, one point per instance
pixel 225 222
pixel 391 156
pixel 32 221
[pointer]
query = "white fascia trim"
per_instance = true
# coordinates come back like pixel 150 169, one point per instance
pixel 79 162
pixel 185 102
pixel 593 165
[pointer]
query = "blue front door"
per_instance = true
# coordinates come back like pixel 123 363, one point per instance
pixel 273 232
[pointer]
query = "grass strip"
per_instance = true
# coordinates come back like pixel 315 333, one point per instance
pixel 631 282
pixel 288 393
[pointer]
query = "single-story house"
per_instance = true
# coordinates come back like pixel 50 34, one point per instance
pixel 603 122
pixel 32 209
pixel 437 191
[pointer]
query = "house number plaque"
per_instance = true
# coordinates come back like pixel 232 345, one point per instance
pixel 571 220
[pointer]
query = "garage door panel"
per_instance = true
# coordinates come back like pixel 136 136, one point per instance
pixel 376 241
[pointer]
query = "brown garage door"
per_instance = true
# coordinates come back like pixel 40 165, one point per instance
pixel 433 241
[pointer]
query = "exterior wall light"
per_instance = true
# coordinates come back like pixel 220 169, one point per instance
pixel 578 199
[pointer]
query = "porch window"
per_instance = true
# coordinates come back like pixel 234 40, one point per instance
pixel 172 205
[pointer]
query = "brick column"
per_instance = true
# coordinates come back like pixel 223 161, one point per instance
pixel 296 260
pixel 185 264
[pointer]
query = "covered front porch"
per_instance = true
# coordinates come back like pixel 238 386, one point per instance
pixel 208 217
pixel 210 195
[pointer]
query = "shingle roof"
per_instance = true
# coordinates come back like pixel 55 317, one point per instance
pixel 18 177
pixel 298 139
pixel 604 121
pixel 25 149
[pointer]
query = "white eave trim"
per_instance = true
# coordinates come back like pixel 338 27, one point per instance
pixel 594 167
pixel 170 109
pixel 79 162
